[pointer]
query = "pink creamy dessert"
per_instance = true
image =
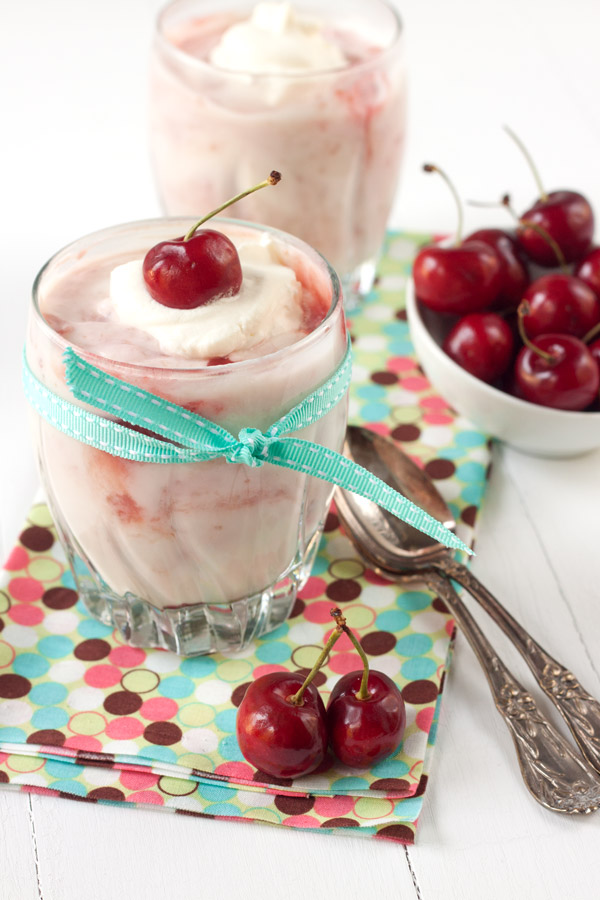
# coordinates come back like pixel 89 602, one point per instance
pixel 197 556
pixel 318 91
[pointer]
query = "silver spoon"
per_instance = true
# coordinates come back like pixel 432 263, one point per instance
pixel 556 776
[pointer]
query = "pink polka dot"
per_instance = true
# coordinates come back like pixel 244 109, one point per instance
pixel 400 364
pixel 158 708
pixel 374 578
pixel 92 722
pixel 314 587
pixel 267 669
pixel 342 663
pixel 145 797
pixel 331 807
pixel 424 718
pixel 302 822
pixel 127 657
pixel 26 615
pixel 235 770
pixel 83 742
pixel 434 402
pixel 3 757
pixel 378 428
pixel 319 612
pixel 18 559
pixel 102 676
pixel 415 383
pixel 342 643
pixel 26 589
pixel 124 728
pixel 437 419
pixel 45 792
pixel 138 781
pixel 449 626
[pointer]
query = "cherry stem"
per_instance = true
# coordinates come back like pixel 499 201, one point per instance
pixel 274 178
pixel 429 167
pixel 296 698
pixel 591 333
pixel 528 157
pixel 363 693
pixel 523 310
pixel 560 256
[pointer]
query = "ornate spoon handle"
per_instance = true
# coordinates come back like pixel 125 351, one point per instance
pixel 579 709
pixel 554 774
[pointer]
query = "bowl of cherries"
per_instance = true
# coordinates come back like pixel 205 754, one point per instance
pixel 506 325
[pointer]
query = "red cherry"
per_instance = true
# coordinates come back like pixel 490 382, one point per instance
pixel 277 736
pixel 594 349
pixel 557 370
pixel 362 732
pixel 459 279
pixel 569 220
pixel 560 304
pixel 201 267
pixel 513 263
pixel 482 343
pixel 588 269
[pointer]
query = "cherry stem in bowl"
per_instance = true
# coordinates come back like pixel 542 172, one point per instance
pixel 296 698
pixel 591 333
pixel 274 178
pixel 560 256
pixel 363 693
pixel 529 158
pixel 429 167
pixel 523 310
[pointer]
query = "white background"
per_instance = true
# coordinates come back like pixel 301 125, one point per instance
pixel 73 159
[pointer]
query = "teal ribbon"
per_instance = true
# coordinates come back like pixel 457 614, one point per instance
pixel 188 437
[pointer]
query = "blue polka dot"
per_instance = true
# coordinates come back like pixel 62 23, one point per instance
pixel 48 694
pixel 374 412
pixel 400 347
pixel 55 646
pixel 198 666
pixel 455 511
pixel 12 735
pixel 432 732
pixel 176 687
pixel 162 754
pixel 320 565
pixel 409 808
pixel 413 600
pixel 50 717
pixel 392 620
pixel 397 329
pixel 419 667
pixel 62 769
pixel 274 653
pixel 80 567
pixel 277 633
pixel 68 581
pixel 470 439
pixel 471 471
pixel 414 645
pixel 230 749
pixel 30 665
pixel 91 628
pixel 69 787
pixel 350 783
pixel 81 608
pixel 473 493
pixel 226 720
pixel 370 392
pixel 222 809
pixel 216 792
pixel 390 768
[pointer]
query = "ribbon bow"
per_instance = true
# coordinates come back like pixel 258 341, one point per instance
pixel 187 437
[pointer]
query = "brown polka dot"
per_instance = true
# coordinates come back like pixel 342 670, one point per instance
pixel 93 649
pixel 418 692
pixel 163 733
pixel 421 786
pixel 442 682
pixel 319 679
pixel 36 538
pixel 342 591
pixel 469 514
pixel 3 778
pixel 106 793
pixel 13 686
pixel 384 378
pixel 298 608
pixel 1 624
pixel 47 736
pixel 378 642
pixel 340 822
pixel 122 703
pixel 440 468
pixel 397 833
pixel 271 779
pixel 397 786
pixel 239 693
pixel 192 788
pixel 406 433
pixel 439 605
pixel 59 598
pixel 84 759
pixel 488 472
pixel 331 522
pixel 401 314
pixel 294 806
pixel 196 815
pixel 67 796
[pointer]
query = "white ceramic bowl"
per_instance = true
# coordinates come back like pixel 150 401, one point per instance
pixel 533 429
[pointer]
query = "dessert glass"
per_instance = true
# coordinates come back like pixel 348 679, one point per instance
pixel 336 135
pixel 193 557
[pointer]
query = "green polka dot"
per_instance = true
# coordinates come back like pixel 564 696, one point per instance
pixel 40 515
pixel 195 714
pixel 359 616
pixel 305 657
pixel 196 761
pixel 88 723
pixel 366 808
pixel 264 815
pixel 346 568
pixel 44 569
pixel 175 787
pixel 6 654
pixel 24 763
pixel 234 669
pixel 140 681
pixel 404 415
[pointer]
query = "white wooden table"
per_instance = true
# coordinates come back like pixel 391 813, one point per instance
pixel 73 159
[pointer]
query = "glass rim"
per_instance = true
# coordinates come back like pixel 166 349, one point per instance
pixel 201 64
pixel 182 372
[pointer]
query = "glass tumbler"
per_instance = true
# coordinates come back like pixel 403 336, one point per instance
pixel 193 557
pixel 336 135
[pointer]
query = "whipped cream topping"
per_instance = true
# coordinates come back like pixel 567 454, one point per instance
pixel 268 305
pixel 277 40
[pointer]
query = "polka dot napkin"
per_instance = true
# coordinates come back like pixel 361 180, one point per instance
pixel 82 715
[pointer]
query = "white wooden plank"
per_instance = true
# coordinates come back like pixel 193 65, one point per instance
pixel 18 875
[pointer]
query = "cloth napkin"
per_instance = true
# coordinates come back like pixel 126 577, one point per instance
pixel 84 716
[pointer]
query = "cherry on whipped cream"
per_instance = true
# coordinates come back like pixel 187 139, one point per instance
pixel 199 268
